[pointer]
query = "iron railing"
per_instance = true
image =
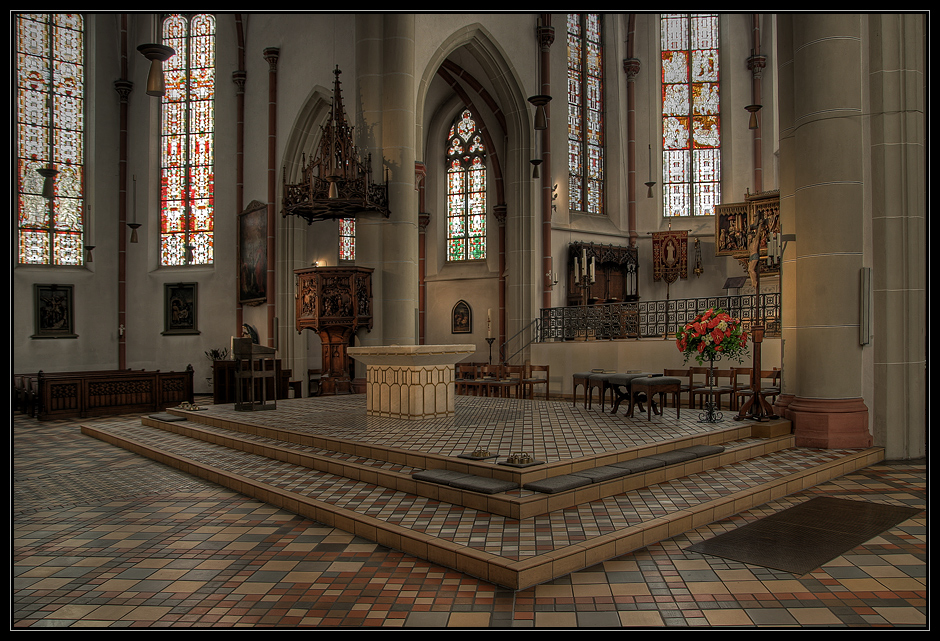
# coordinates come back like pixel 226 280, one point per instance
pixel 656 318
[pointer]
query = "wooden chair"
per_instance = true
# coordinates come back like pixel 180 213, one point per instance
pixel 769 385
pixel 465 382
pixel 698 377
pixel 684 388
pixel 532 377
pixel 716 390
pixel 740 382
pixel 507 383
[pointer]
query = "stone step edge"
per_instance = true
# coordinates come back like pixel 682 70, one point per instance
pixel 521 476
pixel 508 573
pixel 502 504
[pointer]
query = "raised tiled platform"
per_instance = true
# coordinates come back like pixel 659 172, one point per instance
pixel 324 458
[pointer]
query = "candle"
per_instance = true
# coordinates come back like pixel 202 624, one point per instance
pixel 584 263
pixel 577 272
pixel 489 323
pixel 592 269
pixel 134 210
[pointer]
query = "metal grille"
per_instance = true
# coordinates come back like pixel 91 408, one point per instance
pixel 651 319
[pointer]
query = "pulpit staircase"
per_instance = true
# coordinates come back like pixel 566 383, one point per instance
pixel 515 538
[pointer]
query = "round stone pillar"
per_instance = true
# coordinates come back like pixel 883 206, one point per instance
pixel 825 148
pixel 385 77
pixel 400 230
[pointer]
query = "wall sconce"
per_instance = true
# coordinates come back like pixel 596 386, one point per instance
pixel 156 54
pixel 133 227
pixel 535 167
pixel 753 109
pixel 90 258
pixel 541 119
pixel 649 184
pixel 48 183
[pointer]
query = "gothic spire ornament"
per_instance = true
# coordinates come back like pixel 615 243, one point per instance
pixel 337 183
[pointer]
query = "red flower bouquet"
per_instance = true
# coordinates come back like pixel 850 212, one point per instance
pixel 712 335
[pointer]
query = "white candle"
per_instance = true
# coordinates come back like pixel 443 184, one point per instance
pixel 489 323
pixel 577 272
pixel 592 269
pixel 584 263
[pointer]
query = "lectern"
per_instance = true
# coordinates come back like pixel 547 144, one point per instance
pixel 254 364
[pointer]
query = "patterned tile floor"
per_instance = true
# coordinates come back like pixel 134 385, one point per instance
pixel 105 539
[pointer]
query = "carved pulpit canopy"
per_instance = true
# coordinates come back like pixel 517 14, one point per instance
pixel 337 183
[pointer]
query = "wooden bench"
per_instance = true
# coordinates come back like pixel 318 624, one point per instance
pixel 107 392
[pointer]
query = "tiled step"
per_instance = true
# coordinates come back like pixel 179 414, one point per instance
pixel 315 453
pixel 511 552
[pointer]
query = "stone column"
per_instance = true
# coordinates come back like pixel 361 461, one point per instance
pixel 826 151
pixel 397 294
pixel 896 59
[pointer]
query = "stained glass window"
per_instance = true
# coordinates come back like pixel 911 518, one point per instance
pixel 466 190
pixel 187 166
pixel 585 113
pixel 50 124
pixel 691 120
pixel 347 239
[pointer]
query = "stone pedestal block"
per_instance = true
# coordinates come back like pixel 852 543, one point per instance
pixel 410 381
pixel 830 423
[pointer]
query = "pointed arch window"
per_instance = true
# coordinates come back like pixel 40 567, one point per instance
pixel 50 130
pixel 347 239
pixel 691 119
pixel 187 157
pixel 466 190
pixel 585 113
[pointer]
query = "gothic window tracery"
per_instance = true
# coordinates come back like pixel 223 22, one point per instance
pixel 466 190
pixel 187 156
pixel 691 121
pixel 585 113
pixel 50 124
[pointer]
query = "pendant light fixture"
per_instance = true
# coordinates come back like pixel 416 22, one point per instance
pixel 156 54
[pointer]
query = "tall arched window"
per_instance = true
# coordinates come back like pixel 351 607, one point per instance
pixel 347 238
pixel 50 130
pixel 466 190
pixel 691 121
pixel 187 158
pixel 585 113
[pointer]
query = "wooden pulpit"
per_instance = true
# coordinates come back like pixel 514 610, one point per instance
pixel 334 302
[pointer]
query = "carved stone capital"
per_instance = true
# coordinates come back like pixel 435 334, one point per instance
pixel 545 35
pixel 756 64
pixel 631 66
pixel 239 77
pixel 499 211
pixel 123 87
pixel 271 54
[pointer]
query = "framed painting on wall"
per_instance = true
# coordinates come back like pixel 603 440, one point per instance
pixel 179 304
pixel 461 319
pixel 54 307
pixel 253 254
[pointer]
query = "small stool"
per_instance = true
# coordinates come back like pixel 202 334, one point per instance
pixel 581 378
pixel 652 385
pixel 602 382
pixel 620 385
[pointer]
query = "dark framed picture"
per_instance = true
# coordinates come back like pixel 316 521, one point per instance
pixel 461 318
pixel 253 254
pixel 179 304
pixel 54 311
